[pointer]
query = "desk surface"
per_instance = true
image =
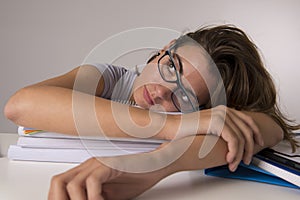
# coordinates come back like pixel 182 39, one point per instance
pixel 30 180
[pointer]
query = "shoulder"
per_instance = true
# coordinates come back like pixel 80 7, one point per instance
pixel 108 68
pixel 114 72
pixel 116 79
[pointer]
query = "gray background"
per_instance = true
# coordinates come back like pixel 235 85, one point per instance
pixel 40 39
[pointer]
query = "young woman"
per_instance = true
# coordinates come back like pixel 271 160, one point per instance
pixel 214 76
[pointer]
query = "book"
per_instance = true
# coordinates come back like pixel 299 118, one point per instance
pixel 276 165
pixel 37 145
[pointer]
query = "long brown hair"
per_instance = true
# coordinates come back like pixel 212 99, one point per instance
pixel 247 83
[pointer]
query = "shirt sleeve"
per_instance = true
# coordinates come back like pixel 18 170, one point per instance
pixel 111 75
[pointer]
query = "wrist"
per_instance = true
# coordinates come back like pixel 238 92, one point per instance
pixel 210 121
pixel 169 126
pixel 181 125
pixel 192 124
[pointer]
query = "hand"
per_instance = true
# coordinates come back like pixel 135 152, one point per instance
pixel 94 180
pixel 238 129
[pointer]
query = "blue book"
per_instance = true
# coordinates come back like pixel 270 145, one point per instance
pixel 267 167
pixel 250 173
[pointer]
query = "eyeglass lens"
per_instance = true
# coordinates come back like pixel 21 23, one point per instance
pixel 183 99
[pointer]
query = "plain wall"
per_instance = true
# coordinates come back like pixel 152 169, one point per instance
pixel 40 39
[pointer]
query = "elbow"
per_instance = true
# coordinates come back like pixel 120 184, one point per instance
pixel 15 107
pixel 278 136
pixel 270 128
pixel 12 107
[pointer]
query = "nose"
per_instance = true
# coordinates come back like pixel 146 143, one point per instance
pixel 162 93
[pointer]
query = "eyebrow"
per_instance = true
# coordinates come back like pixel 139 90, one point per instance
pixel 180 63
pixel 181 72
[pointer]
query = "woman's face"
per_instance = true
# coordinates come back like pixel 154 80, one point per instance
pixel 151 91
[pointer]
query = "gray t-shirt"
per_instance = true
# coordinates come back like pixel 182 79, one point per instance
pixel 118 82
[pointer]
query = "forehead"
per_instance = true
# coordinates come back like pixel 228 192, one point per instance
pixel 194 59
pixel 193 56
pixel 191 52
pixel 197 67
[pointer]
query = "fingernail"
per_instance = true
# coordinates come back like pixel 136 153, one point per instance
pixel 248 161
pixel 233 168
pixel 261 143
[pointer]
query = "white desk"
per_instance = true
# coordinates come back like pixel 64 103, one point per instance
pixel 30 180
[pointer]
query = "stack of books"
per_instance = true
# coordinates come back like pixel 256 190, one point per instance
pixel 36 145
pixel 276 165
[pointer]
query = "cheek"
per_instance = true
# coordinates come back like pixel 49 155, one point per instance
pixel 169 107
pixel 203 97
pixel 199 87
pixel 150 74
pixel 138 96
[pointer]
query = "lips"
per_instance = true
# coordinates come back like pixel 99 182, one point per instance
pixel 147 96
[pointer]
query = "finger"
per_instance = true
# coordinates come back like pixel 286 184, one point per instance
pixel 97 178
pixel 247 133
pixel 221 127
pixel 76 187
pixel 58 184
pixel 249 149
pixel 232 142
pixel 69 174
pixel 57 189
pixel 234 165
pixel 253 125
pixel 237 138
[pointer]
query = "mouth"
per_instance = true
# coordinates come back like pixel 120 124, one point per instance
pixel 147 97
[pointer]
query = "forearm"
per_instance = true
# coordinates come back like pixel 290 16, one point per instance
pixel 204 152
pixel 42 107
pixel 172 157
pixel 68 111
pixel 131 175
pixel 216 146
pixel 190 159
pixel 215 120
pixel 271 132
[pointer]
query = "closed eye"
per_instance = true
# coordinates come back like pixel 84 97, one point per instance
pixel 175 61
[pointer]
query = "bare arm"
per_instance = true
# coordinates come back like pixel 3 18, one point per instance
pixel 49 105
pixel 95 180
pixel 55 105
pixel 83 74
pixel 243 131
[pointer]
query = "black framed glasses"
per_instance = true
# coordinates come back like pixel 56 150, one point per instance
pixel 183 99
